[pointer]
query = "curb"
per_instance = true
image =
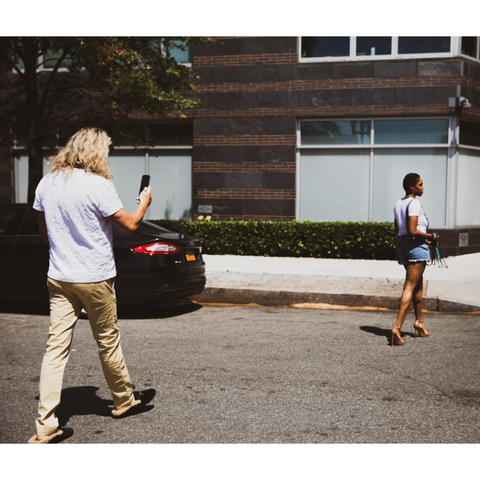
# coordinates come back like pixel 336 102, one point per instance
pixel 236 296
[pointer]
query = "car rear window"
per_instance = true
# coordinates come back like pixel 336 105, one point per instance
pixel 30 223
pixel 6 215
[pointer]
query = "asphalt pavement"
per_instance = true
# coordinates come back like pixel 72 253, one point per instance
pixel 318 282
pixel 256 375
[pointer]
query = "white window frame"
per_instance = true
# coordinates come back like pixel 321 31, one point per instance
pixel 455 48
pixel 451 150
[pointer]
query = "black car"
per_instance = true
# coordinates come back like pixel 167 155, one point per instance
pixel 154 265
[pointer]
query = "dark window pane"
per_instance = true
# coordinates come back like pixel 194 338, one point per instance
pixel 469 46
pixel 6 215
pixel 374 46
pixel 50 59
pixel 356 132
pixel 171 134
pixel 30 224
pixel 469 133
pixel 325 47
pixel 423 45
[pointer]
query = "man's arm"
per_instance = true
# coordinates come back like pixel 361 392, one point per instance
pixel 129 222
pixel 42 227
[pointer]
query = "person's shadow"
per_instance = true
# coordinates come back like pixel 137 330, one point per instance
pixel 383 332
pixel 84 401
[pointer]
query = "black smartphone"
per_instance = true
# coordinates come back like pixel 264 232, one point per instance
pixel 144 183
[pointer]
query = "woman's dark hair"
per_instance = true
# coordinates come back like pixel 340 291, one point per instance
pixel 410 180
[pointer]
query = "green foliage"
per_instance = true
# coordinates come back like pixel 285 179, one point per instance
pixel 366 240
pixel 50 82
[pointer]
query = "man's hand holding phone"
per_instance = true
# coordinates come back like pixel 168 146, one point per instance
pixel 145 194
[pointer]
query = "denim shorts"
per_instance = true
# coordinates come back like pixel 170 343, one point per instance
pixel 411 250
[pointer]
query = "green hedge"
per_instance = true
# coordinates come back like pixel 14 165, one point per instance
pixel 367 240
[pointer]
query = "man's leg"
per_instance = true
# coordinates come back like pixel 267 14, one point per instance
pixel 64 311
pixel 99 301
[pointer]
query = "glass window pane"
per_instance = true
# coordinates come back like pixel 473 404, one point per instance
pixel 391 166
pixel 388 132
pixel 127 168
pixel 171 181
pixel 50 59
pixel 5 218
pixel 355 132
pixel 469 46
pixel 374 46
pixel 179 55
pixel 171 134
pixel 468 193
pixel 334 185
pixel 22 178
pixel 325 47
pixel 423 45
pixel 469 133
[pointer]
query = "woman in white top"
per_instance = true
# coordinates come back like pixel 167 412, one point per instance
pixel 413 252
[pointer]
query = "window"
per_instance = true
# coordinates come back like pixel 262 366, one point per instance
pixel 325 47
pixel 470 46
pixel 468 193
pixel 370 46
pixel 179 55
pixel 335 133
pixel 417 45
pixel 411 131
pixel 334 185
pixel 169 163
pixel 6 215
pixel 469 133
pixel 170 177
pixel 357 48
pixel 352 170
pixel 48 60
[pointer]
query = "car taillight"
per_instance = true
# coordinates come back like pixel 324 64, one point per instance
pixel 157 248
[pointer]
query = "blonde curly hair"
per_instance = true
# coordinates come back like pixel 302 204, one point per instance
pixel 87 150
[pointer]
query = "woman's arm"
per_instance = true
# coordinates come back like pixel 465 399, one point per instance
pixel 412 230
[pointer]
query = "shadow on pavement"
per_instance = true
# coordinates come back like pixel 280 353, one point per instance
pixel 77 401
pixel 176 309
pixel 81 401
pixel 159 311
pixel 383 332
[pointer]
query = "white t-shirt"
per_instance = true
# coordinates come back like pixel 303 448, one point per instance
pixel 76 204
pixel 414 210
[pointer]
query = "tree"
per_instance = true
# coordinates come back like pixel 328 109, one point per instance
pixel 47 82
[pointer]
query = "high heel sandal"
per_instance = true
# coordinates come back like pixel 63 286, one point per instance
pixel 420 329
pixel 396 337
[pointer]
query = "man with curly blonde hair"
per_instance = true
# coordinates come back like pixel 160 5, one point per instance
pixel 76 205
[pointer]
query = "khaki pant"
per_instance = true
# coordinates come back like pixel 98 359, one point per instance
pixel 66 303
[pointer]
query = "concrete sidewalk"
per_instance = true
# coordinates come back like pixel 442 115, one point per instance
pixel 338 282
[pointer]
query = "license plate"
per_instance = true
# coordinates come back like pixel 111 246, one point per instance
pixel 190 257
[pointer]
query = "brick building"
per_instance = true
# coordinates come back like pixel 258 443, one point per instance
pixel 316 128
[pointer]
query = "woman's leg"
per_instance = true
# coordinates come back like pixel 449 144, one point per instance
pixel 412 291
pixel 417 299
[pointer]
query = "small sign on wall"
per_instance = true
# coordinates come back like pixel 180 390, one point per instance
pixel 463 239
pixel 205 209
